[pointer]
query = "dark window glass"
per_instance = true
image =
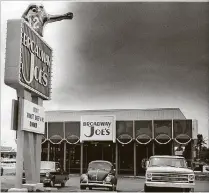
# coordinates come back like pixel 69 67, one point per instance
pixel 162 127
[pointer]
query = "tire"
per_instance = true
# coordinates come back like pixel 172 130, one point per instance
pixel 90 188
pixel 52 183
pixel 63 184
pixel 82 187
pixel 147 189
pixel 113 188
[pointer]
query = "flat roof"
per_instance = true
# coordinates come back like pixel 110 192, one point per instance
pixel 120 114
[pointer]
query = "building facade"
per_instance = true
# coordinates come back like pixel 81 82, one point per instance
pixel 138 134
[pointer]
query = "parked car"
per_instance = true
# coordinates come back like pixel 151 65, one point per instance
pixel 99 174
pixel 168 172
pixel 51 173
pixel 8 166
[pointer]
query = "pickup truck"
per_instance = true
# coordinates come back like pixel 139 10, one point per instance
pixel 51 174
pixel 168 173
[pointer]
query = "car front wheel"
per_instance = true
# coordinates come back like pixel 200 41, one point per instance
pixel 63 184
pixel 113 188
pixel 147 189
pixel 52 183
pixel 82 187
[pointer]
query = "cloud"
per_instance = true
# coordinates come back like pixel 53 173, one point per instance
pixel 128 55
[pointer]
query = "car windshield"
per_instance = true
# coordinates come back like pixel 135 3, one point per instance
pixel 99 165
pixel 165 161
pixel 47 165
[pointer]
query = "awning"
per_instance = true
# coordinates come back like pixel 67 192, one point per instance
pixel 124 139
pixel 72 139
pixel 163 139
pixel 182 139
pixel 56 139
pixel 143 139
pixel 43 140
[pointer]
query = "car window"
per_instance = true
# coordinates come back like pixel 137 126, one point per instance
pixel 100 165
pixel 165 161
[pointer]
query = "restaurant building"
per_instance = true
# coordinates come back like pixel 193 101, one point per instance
pixel 124 137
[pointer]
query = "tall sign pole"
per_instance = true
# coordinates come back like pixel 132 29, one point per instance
pixel 28 70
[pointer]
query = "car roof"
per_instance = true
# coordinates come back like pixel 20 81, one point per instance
pixel 100 161
pixel 166 156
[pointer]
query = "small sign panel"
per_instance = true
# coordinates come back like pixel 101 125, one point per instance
pixel 33 118
pixel 97 128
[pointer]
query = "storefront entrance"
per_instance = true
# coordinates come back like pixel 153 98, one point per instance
pixel 98 151
pixel 143 152
pixel 126 158
pixel 73 152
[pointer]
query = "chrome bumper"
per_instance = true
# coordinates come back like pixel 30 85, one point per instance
pixel 96 184
pixel 170 185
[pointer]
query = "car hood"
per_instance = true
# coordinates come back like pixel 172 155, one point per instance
pixel 168 169
pixel 97 174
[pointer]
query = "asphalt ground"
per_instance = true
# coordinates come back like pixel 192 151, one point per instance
pixel 124 185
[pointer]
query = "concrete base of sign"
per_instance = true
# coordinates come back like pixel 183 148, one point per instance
pixel 18 190
pixel 34 187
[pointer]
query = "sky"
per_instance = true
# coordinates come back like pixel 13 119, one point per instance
pixel 112 55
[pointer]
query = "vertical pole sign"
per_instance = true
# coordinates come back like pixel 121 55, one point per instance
pixel 28 70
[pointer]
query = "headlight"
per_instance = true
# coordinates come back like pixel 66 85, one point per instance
pixel 191 177
pixel 47 175
pixel 148 175
pixel 84 178
pixel 108 179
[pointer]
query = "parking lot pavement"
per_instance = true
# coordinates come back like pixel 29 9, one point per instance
pixel 7 182
pixel 124 185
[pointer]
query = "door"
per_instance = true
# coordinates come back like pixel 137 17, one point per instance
pixel 126 158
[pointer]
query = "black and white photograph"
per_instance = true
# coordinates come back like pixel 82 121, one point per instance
pixel 105 96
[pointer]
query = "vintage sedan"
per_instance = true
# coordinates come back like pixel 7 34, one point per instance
pixel 100 174
pixel 51 173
